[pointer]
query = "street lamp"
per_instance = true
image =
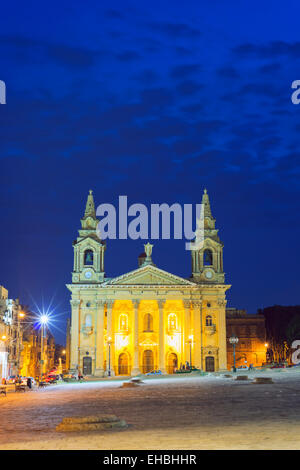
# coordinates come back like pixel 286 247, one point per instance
pixel 267 353
pixel 191 342
pixel 233 340
pixel 109 345
pixel 43 320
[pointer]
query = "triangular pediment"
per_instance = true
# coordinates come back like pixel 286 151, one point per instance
pixel 149 275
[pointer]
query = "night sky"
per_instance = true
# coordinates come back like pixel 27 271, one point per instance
pixel 156 101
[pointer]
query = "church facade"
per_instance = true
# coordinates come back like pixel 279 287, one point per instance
pixel 146 319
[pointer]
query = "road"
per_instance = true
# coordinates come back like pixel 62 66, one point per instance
pixel 211 412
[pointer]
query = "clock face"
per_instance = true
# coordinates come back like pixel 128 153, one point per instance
pixel 208 274
pixel 88 275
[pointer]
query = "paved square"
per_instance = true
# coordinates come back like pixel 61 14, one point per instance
pixel 211 412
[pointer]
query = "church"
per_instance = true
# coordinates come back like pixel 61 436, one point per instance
pixel 146 319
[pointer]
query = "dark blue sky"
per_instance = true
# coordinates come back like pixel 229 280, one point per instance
pixel 153 100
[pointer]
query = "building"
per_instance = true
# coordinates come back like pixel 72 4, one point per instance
pixel 20 341
pixel 148 318
pixel 251 332
pixel 31 352
pixel 11 320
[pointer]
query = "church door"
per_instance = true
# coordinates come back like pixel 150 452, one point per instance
pixel 210 364
pixel 148 363
pixel 172 363
pixel 123 364
pixel 87 365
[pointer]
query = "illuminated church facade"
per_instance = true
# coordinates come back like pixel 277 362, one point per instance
pixel 146 319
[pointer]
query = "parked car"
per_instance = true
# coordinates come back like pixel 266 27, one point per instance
pixel 155 372
pixel 12 379
pixel 242 368
pixel 51 378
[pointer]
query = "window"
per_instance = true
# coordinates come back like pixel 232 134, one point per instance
pixel 148 322
pixel 207 258
pixel 209 320
pixel 88 257
pixel 88 321
pixel 123 322
pixel 172 321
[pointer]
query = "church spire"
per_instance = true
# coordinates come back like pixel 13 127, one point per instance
pixel 206 204
pixel 207 255
pixel 90 206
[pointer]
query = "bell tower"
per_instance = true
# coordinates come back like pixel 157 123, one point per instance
pixel 207 258
pixel 88 248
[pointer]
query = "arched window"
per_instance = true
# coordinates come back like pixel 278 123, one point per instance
pixel 207 258
pixel 208 320
pixel 148 322
pixel 123 322
pixel 172 321
pixel 88 257
pixel 88 321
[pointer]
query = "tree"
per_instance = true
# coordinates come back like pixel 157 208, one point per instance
pixel 282 327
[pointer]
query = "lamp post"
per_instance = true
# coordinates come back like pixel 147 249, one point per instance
pixel 43 321
pixel 109 345
pixel 191 342
pixel 233 340
pixel 267 348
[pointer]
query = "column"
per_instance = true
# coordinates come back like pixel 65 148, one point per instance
pixel 197 334
pixel 136 368
pixel 74 353
pixel 222 335
pixel 100 338
pixel 110 335
pixel 187 332
pixel 161 364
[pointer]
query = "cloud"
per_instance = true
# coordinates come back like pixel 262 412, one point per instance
pixel 265 89
pixel 188 87
pixel 227 72
pixel 128 56
pixel 157 97
pixel 173 30
pixel 270 68
pixel 269 51
pixel 35 50
pixel 146 76
pixel 182 71
pixel 114 14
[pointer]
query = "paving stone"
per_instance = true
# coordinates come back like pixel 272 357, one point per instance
pixel 263 380
pixel 90 419
pixel 171 413
pixel 91 426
